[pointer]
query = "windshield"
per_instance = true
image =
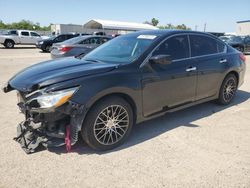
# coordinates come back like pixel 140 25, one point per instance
pixel 122 50
pixel 235 39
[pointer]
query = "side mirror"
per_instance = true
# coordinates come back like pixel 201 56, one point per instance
pixel 161 59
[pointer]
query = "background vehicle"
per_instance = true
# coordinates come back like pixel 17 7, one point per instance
pixel 15 37
pixel 240 43
pixel 46 44
pixel 129 79
pixel 77 45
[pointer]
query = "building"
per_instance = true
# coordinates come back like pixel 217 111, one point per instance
pixel 108 26
pixel 117 27
pixel 66 28
pixel 243 28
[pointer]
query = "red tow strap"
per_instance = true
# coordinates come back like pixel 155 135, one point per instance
pixel 67 139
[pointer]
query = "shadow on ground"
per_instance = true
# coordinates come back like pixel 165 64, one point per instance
pixel 155 127
pixel 18 47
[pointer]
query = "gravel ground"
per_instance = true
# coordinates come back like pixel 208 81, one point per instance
pixel 202 146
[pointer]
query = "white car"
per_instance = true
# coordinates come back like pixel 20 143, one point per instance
pixel 23 37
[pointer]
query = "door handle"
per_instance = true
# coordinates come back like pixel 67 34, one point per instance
pixel 189 69
pixel 223 61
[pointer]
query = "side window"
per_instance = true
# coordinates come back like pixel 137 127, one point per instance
pixel 177 47
pixel 25 33
pixel 221 47
pixel 69 36
pixel 247 40
pixel 60 38
pixel 86 41
pixel 34 34
pixel 202 45
pixel 104 40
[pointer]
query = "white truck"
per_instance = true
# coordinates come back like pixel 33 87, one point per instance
pixel 14 37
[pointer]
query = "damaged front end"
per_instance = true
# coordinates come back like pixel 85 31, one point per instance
pixel 51 119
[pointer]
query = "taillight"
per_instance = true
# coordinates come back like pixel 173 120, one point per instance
pixel 64 49
pixel 242 57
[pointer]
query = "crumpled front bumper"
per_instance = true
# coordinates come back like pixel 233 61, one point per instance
pixel 50 130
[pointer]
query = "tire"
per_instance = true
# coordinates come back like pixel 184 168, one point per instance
pixel 241 49
pixel 47 48
pixel 228 89
pixel 101 129
pixel 9 44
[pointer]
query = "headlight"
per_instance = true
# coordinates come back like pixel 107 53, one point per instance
pixel 41 42
pixel 49 101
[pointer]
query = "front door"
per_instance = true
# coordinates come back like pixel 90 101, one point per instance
pixel 168 86
pixel 25 37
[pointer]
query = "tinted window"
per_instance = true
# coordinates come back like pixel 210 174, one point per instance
pixel 104 40
pixel 12 32
pixel 202 45
pixel 34 34
pixel 24 33
pixel 247 40
pixel 221 47
pixel 177 47
pixel 60 38
pixel 93 40
pixel 70 36
pixel 122 50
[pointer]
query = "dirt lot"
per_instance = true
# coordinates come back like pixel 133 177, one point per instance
pixel 203 146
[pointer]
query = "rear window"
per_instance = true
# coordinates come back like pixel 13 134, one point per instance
pixel 24 33
pixel 203 45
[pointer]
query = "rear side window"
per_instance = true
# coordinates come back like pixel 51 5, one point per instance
pixel 70 36
pixel 24 33
pixel 177 47
pixel 221 47
pixel 203 45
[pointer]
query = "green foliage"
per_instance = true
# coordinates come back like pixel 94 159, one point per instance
pixel 170 26
pixel 24 24
pixel 154 21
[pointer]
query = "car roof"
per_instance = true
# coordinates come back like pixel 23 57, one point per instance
pixel 166 32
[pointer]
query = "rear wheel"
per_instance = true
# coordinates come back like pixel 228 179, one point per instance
pixel 9 44
pixel 228 89
pixel 108 124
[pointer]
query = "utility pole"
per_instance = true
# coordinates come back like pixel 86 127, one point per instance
pixel 205 26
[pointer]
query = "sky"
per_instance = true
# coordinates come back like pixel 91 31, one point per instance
pixel 219 15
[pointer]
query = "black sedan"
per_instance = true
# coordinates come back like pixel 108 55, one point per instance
pixel 46 44
pixel 127 80
pixel 78 45
pixel 240 43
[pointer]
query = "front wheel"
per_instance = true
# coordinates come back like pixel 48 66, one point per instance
pixel 108 124
pixel 228 89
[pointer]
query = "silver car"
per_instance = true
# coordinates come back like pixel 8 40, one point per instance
pixel 77 46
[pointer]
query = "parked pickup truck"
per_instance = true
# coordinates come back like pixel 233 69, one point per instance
pixel 14 37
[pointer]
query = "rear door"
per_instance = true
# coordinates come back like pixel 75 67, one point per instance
pixel 211 58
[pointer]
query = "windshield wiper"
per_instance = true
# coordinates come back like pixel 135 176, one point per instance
pixel 80 56
pixel 93 60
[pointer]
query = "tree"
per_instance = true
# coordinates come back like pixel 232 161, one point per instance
pixel 24 24
pixel 170 26
pixel 154 21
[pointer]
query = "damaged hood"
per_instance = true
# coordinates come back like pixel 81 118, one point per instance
pixel 54 71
